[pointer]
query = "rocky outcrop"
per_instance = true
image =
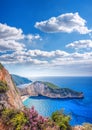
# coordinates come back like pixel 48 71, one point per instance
pixel 9 97
pixel 18 80
pixel 79 127
pixel 49 90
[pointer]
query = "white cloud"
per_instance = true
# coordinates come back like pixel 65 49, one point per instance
pixel 52 58
pixel 71 64
pixel 10 33
pixel 75 61
pixel 31 37
pixel 14 40
pixel 81 44
pixel 37 62
pixel 39 53
pixel 11 37
pixel 10 45
pixel 69 22
pixel 21 56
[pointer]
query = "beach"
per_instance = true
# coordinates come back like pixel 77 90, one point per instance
pixel 23 98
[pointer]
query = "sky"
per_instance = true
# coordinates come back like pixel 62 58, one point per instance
pixel 46 37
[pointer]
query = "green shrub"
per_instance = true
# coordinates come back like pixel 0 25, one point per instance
pixel 1 66
pixel 3 87
pixel 61 120
pixel 50 85
pixel 49 125
pixel 13 118
pixel 7 115
pixel 19 120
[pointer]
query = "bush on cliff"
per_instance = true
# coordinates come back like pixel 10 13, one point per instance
pixel 3 87
pixel 29 119
pixel 61 120
pixel 1 66
pixel 15 119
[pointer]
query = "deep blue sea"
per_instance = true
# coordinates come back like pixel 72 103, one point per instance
pixel 80 110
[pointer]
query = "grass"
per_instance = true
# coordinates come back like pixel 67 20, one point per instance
pixel 1 66
pixel 50 85
pixel 3 87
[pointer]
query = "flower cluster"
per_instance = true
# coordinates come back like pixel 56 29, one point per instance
pixel 29 119
pixel 35 120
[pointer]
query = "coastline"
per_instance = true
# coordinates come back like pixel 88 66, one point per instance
pixel 23 98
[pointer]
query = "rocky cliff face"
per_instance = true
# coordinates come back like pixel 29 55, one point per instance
pixel 42 88
pixel 9 97
pixel 18 80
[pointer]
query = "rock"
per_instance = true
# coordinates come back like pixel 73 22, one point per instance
pixel 78 127
pixel 9 98
pixel 49 90
pixel 18 80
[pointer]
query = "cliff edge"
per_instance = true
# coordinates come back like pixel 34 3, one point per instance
pixel 49 90
pixel 9 96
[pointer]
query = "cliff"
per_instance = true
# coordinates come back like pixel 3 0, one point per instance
pixel 9 96
pixel 49 90
pixel 18 80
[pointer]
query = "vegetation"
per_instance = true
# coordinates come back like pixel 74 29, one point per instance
pixel 29 119
pixel 3 87
pixel 19 120
pixel 1 66
pixel 50 85
pixel 7 114
pixel 15 119
pixel 61 120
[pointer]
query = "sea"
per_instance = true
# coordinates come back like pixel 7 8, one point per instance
pixel 80 110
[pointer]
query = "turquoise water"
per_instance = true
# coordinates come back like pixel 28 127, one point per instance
pixel 79 109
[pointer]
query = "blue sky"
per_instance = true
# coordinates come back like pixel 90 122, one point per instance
pixel 46 37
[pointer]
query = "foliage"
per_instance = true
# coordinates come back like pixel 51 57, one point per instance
pixel 8 114
pixel 50 125
pixel 3 87
pixel 61 120
pixel 29 119
pixel 50 85
pixel 19 120
pixel 1 66
pixel 87 126
pixel 35 120
pixel 15 119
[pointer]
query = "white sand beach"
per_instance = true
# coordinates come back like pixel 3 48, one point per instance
pixel 23 98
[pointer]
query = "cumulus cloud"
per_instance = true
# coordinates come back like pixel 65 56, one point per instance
pixel 31 37
pixel 10 45
pixel 37 62
pixel 45 54
pixel 33 56
pixel 20 57
pixel 11 37
pixel 51 58
pixel 74 59
pixel 10 33
pixel 13 44
pixel 81 44
pixel 68 23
